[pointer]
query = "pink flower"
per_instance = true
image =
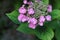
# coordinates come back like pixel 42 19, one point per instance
pixel 30 3
pixel 49 9
pixel 22 18
pixel 30 11
pixel 48 18
pixel 25 1
pixel 41 24
pixel 32 20
pixel 41 19
pixel 22 10
pixel 33 26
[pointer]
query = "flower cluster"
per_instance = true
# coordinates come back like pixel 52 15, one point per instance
pixel 27 14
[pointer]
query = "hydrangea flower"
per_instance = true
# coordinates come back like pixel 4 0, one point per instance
pixel 33 14
pixel 25 1
pixel 49 9
pixel 42 19
pixel 33 26
pixel 22 10
pixel 40 23
pixel 32 20
pixel 22 18
pixel 30 11
pixel 48 18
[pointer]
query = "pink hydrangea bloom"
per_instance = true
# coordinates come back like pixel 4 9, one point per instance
pixel 32 20
pixel 27 13
pixel 41 19
pixel 25 1
pixel 30 11
pixel 22 18
pixel 49 9
pixel 22 10
pixel 48 18
pixel 33 26
pixel 40 23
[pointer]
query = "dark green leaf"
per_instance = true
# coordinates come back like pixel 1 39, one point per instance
pixel 57 33
pixel 18 4
pixel 44 34
pixel 56 4
pixel 53 24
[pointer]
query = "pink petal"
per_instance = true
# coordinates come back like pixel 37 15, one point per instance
pixel 25 1
pixel 49 9
pixel 33 26
pixel 42 19
pixel 41 24
pixel 32 20
pixel 48 18
pixel 30 11
pixel 22 10
pixel 22 18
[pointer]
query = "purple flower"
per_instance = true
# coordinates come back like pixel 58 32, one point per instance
pixel 22 10
pixel 25 1
pixel 48 18
pixel 41 19
pixel 33 26
pixel 22 18
pixel 30 11
pixel 49 9
pixel 32 20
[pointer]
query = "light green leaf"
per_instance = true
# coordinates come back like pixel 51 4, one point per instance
pixel 45 33
pixel 25 29
pixel 46 2
pixel 55 14
pixel 14 16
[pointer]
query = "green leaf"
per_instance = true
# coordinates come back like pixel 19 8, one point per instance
pixel 14 16
pixel 42 32
pixel 18 4
pixel 53 24
pixel 56 4
pixel 25 29
pixel 57 33
pixel 46 2
pixel 45 33
pixel 55 14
